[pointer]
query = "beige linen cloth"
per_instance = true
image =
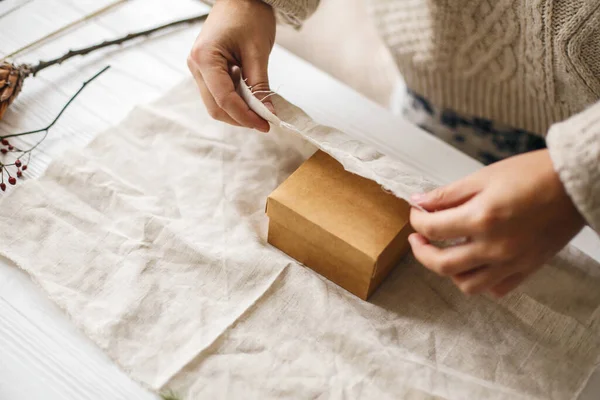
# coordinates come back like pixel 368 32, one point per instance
pixel 152 239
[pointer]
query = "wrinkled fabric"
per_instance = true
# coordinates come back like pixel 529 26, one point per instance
pixel 153 240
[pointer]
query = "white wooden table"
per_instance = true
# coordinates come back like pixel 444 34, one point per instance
pixel 42 355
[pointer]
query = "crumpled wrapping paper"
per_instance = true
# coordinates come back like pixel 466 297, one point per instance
pixel 152 239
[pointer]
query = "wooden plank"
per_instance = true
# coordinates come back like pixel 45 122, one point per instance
pixel 9 6
pixel 45 357
pixel 29 21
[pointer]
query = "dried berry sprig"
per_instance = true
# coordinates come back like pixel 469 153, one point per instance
pixel 12 76
pixel 20 165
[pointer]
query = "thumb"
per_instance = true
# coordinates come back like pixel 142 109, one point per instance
pixel 448 196
pixel 255 70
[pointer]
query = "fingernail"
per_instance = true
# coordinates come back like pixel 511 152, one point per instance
pixel 270 107
pixel 417 197
pixel 262 129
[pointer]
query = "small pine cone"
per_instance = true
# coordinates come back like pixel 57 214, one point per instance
pixel 12 180
pixel 11 81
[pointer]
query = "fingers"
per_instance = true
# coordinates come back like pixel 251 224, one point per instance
pixel 213 109
pixel 467 266
pixel 219 83
pixel 256 73
pixel 214 71
pixel 448 196
pixel 447 224
pixel 483 279
pixel 448 261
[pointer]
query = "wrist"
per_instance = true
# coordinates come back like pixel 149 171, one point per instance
pixel 557 189
pixel 246 4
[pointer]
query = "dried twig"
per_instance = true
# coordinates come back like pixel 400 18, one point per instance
pixel 20 163
pixel 12 76
pixel 62 110
pixel 34 69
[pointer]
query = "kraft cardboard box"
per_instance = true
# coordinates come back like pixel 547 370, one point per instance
pixel 341 225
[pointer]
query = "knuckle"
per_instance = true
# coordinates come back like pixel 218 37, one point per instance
pixel 225 101
pixel 190 63
pixel 201 55
pixel 261 86
pixel 438 195
pixel 429 231
pixel 197 52
pixel 486 220
pixel 444 267
pixel 468 288
pixel 216 113
pixel 504 249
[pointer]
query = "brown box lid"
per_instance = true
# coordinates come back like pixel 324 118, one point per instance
pixel 342 225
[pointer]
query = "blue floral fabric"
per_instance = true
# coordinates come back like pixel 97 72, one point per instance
pixel 482 139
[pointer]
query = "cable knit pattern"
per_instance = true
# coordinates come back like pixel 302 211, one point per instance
pixel 526 64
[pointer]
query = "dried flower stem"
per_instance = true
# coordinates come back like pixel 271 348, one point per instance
pixel 51 124
pixel 12 76
pixel 34 69
pixel 19 153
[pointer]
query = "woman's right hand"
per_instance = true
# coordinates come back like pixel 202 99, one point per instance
pixel 237 33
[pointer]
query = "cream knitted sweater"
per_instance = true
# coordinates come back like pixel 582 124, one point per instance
pixel 532 64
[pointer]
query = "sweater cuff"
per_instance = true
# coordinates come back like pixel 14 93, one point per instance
pixel 293 12
pixel 574 146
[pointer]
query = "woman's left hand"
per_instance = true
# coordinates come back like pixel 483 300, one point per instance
pixel 515 215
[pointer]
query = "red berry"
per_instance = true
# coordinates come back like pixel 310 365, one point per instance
pixel 18 163
pixel 24 167
pixel 12 180
pixel 10 147
pixel 3 186
pixel 19 173
pixel 5 142
pixel 4 151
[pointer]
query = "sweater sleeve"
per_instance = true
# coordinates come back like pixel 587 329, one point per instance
pixel 294 12
pixel 574 146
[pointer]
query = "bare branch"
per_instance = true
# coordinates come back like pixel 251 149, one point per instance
pixel 34 69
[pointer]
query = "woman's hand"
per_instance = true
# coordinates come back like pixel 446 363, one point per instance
pixel 237 33
pixel 515 215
